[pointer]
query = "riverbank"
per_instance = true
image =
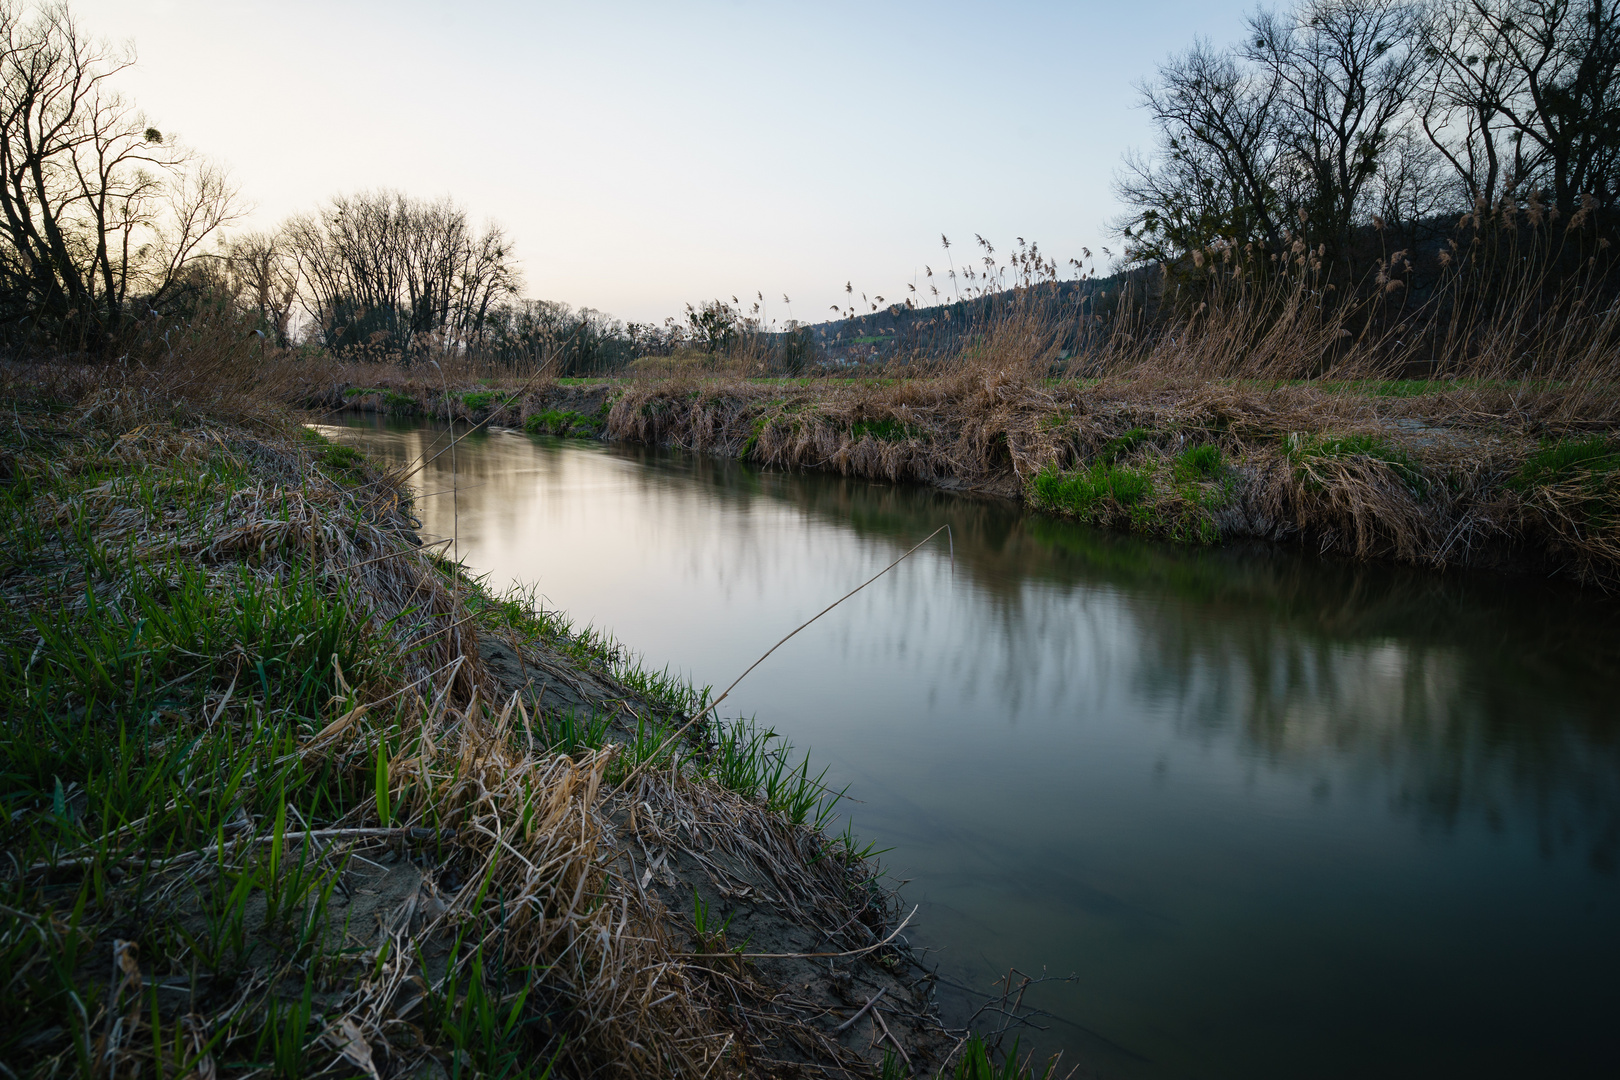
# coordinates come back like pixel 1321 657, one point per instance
pixel 287 793
pixel 1518 477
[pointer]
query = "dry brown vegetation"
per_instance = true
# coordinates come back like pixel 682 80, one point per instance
pixel 283 795
pixel 1260 408
pixel 278 803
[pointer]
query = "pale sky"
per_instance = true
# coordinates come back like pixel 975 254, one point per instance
pixel 642 155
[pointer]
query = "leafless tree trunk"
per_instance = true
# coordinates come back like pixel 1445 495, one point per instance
pixel 264 278
pixel 97 210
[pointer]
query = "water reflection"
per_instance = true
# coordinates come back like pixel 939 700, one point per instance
pixel 1274 811
pixel 1485 696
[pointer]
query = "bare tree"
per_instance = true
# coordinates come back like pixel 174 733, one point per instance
pixel 1218 171
pixel 387 270
pixel 1525 94
pixel 1343 70
pixel 1285 134
pixel 97 209
pixel 263 277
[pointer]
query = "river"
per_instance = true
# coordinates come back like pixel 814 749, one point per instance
pixel 1276 815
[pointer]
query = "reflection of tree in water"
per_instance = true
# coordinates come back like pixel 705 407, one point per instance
pixel 1482 697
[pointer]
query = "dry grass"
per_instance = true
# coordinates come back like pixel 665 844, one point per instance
pixel 1305 400
pixel 344 847
pixel 1424 472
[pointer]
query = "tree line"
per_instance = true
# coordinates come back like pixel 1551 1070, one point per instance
pixel 1335 115
pixel 109 228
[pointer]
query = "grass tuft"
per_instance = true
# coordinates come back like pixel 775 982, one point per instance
pixel 1198 463
pixel 1104 486
pixel 1307 450
pixel 1591 459
pixel 564 422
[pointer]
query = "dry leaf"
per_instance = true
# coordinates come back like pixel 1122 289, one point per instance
pixel 346 1036
pixel 126 954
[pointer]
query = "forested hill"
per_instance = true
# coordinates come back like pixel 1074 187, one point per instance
pixel 895 329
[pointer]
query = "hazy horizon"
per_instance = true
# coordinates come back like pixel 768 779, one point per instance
pixel 642 157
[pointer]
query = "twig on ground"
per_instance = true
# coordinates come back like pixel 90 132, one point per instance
pixel 871 1001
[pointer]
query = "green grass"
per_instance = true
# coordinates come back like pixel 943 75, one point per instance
pixel 392 398
pixel 1593 459
pixel 1085 490
pixel 755 430
pixel 1173 498
pixel 1117 448
pixel 886 430
pixel 756 762
pixel 1198 463
pixel 566 422
pixel 977 1062
pixel 1303 449
pixel 741 755
pixel 158 710
pixel 344 461
pixel 479 400
pixel 152 706
pixel 751 760
pixel 1585 471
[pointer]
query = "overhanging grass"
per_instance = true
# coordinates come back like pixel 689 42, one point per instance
pixel 741 755
pixel 1576 480
pixel 1302 450
pixel 1593 459
pixel 885 430
pixel 565 422
pixel 480 400
pixel 1086 490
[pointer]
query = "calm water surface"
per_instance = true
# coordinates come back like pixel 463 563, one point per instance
pixel 1279 816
